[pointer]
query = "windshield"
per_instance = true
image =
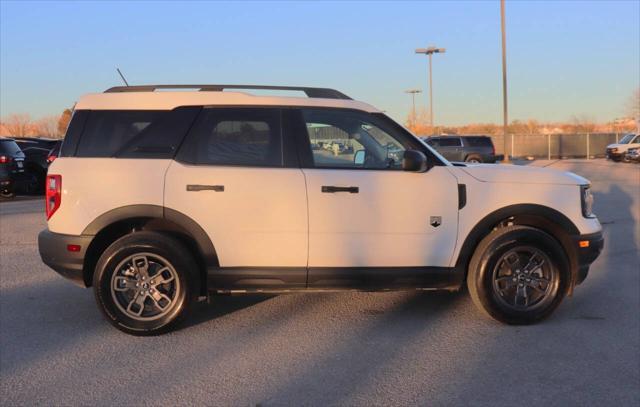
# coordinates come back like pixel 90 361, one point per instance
pixel 626 139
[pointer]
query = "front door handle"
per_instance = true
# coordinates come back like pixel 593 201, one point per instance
pixel 330 189
pixel 196 188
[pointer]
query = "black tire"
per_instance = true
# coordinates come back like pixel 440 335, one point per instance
pixel 182 290
pixel 489 260
pixel 473 158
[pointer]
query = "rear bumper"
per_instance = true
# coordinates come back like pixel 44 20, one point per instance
pixel 587 252
pixel 53 248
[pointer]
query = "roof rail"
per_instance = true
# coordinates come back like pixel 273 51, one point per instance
pixel 310 92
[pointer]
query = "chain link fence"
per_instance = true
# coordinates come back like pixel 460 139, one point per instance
pixel 556 146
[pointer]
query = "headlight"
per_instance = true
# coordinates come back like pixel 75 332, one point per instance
pixel 614 150
pixel 586 201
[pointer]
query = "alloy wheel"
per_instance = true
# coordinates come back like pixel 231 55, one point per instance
pixel 524 279
pixel 144 286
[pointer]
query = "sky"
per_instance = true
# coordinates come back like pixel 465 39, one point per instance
pixel 565 58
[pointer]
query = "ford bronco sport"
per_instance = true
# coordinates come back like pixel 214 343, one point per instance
pixel 159 199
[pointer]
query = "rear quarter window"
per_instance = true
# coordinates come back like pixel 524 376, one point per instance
pixel 107 131
pixel 128 133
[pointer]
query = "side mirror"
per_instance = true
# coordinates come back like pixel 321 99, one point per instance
pixel 415 161
pixel 359 156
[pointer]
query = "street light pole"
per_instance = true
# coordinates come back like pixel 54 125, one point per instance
pixel 413 97
pixel 430 94
pixel 429 52
pixel 505 115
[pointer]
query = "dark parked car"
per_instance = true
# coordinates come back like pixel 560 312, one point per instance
pixel 55 152
pixel 632 155
pixel 471 149
pixel 36 151
pixel 11 166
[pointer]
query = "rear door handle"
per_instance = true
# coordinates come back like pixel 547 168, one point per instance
pixel 330 189
pixel 196 188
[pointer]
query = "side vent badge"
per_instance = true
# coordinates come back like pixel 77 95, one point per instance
pixel 435 221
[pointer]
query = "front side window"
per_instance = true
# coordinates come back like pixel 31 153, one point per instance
pixel 236 136
pixel 351 139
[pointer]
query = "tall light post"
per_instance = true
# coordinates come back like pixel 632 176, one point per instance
pixel 429 52
pixel 505 116
pixel 413 98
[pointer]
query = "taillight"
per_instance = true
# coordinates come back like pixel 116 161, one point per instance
pixel 51 158
pixel 53 194
pixel 4 159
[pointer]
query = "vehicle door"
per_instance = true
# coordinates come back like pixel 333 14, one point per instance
pixel 233 177
pixel 369 221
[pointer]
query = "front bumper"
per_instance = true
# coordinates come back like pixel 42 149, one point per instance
pixel 588 248
pixel 615 156
pixel 54 252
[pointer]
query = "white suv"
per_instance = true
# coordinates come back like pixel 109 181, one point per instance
pixel 617 151
pixel 161 198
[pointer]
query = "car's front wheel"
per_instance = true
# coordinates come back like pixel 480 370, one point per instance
pixel 145 283
pixel 518 275
pixel 7 194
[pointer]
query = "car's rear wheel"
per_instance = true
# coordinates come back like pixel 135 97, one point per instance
pixel 145 283
pixel 473 159
pixel 518 275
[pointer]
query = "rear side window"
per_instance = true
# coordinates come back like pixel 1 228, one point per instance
pixel 478 141
pixel 447 142
pixel 108 131
pixel 235 136
pixel 8 147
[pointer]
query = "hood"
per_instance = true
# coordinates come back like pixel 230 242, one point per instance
pixel 616 145
pixel 522 175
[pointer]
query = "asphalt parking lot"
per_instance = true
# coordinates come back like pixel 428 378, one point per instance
pixel 396 348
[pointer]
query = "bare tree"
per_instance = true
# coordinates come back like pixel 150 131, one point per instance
pixel 419 124
pixel 63 121
pixel 48 127
pixel 18 125
pixel 532 126
pixel 583 124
